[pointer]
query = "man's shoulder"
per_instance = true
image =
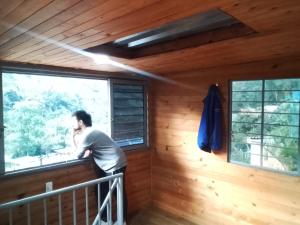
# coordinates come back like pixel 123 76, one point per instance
pixel 95 132
pixel 92 131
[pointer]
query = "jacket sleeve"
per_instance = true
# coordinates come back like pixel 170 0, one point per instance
pixel 216 142
pixel 204 134
pixel 209 135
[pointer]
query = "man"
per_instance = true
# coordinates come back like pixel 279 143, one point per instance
pixel 108 157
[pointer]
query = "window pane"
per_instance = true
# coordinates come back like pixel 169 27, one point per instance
pixel 247 96
pixel 282 96
pixel 246 138
pixel 277 147
pixel 128 103
pixel 246 128
pixel 129 114
pixel 37 113
pixel 281 142
pixel 281 108
pixel 278 130
pixel 240 152
pixel 283 159
pixel 281 119
pixel 122 119
pixel 253 85
pixel 245 148
pixel 246 106
pixel 246 117
pixel 282 84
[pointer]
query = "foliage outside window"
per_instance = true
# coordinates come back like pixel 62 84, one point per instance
pixel 37 117
pixel 265 124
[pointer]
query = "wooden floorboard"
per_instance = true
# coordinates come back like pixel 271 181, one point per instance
pixel 155 216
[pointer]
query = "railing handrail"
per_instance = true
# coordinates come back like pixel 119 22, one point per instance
pixel 57 191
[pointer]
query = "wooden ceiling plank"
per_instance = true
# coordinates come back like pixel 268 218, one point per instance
pixel 251 6
pixel 297 14
pixel 225 53
pixel 110 15
pixel 37 18
pixel 51 27
pixel 90 64
pixel 75 41
pixel 68 57
pixel 23 11
pixel 7 6
pixel 75 60
pixel 220 54
pixel 265 15
pixel 111 9
pixel 78 42
pixel 165 11
pixel 97 37
pixel 219 47
pixel 277 22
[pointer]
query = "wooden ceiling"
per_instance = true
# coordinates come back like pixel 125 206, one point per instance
pixel 31 29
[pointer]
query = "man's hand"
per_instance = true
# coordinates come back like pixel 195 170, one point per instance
pixel 87 153
pixel 76 133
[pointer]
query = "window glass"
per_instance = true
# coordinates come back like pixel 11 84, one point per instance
pixel 265 124
pixel 37 116
pixel 129 114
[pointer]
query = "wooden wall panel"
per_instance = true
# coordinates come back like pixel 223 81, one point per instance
pixel 203 187
pixel 137 184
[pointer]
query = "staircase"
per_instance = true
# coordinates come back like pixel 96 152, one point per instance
pixel 20 211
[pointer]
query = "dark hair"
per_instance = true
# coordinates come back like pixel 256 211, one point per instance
pixel 84 116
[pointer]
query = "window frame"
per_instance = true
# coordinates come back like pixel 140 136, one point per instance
pixel 230 91
pixel 146 129
pixel 71 73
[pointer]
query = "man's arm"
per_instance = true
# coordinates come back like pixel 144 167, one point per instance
pixel 81 146
pixel 83 152
pixel 75 138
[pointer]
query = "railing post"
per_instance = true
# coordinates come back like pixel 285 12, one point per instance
pixel 10 217
pixel 28 214
pixel 45 211
pixel 59 210
pixel 74 208
pixel 120 200
pixel 99 203
pixel 109 214
pixel 115 181
pixel 87 206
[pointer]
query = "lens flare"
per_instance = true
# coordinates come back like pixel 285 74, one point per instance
pixel 99 59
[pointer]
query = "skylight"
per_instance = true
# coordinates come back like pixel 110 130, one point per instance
pixel 211 26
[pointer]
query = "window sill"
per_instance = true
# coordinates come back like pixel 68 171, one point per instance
pixel 141 147
pixel 75 162
pixel 34 170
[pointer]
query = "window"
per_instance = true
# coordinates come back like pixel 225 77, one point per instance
pixel 129 117
pixel 264 129
pixel 37 109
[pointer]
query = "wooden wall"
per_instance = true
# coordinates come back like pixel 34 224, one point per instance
pixel 137 184
pixel 203 187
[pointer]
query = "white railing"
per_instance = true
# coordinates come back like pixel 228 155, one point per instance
pixel 115 182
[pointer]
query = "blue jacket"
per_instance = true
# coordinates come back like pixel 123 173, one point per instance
pixel 210 131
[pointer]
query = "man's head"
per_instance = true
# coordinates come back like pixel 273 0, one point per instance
pixel 81 120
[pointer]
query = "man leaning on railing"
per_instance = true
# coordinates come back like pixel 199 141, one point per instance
pixel 107 156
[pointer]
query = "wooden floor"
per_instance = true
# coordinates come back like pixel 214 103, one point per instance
pixel 155 216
